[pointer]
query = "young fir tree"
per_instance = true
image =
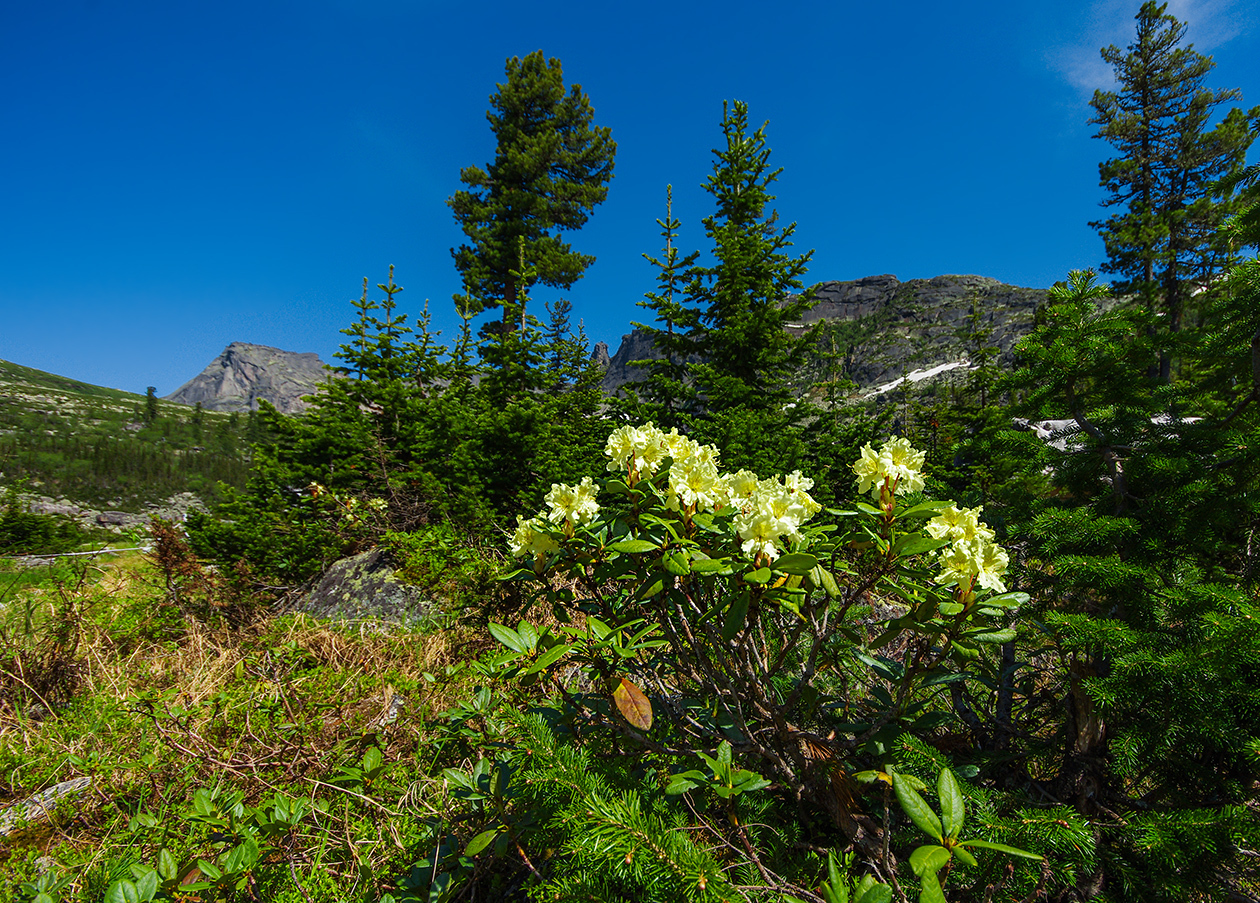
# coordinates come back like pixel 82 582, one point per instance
pixel 551 168
pixel 1170 176
pixel 728 353
pixel 666 388
pixel 1137 557
pixel 747 356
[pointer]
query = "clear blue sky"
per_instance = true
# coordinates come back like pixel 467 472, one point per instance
pixel 178 176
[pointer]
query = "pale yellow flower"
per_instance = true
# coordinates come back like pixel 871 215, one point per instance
pixel 530 538
pixel 897 465
pixel 956 523
pixel 697 482
pixel 976 561
pixel 575 504
pixel 633 448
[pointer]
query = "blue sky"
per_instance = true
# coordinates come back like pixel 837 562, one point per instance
pixel 178 176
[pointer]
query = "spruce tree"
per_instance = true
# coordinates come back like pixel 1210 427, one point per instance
pixel 666 388
pixel 1138 557
pixel 551 168
pixel 747 355
pixel 1170 176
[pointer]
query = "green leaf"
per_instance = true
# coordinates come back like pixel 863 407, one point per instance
pixel 1001 848
pixel 838 885
pixel 873 892
pixel 736 615
pixel 915 544
pixel 760 575
pixel 549 658
pixel 924 508
pixel 241 857
pixel 928 859
pixel 117 892
pixel 482 840
pixel 677 564
pixel 1007 600
pixel 711 566
pixel 634 546
pixel 917 808
pixel 822 577
pixel 147 886
pixel 1005 635
pixel 687 780
pixel 930 889
pixel 166 864
pixel 797 563
pixel 508 637
pixel 885 668
pixel 953 807
pixel 372 759
pixel 967 652
pixel 961 852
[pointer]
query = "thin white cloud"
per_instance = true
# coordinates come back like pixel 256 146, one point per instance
pixel 1210 23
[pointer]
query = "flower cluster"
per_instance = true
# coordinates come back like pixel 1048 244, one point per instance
pixel 972 557
pixel 574 504
pixel 896 467
pixel 532 537
pixel 768 514
pixel 771 511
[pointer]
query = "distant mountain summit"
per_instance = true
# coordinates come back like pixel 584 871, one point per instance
pixel 245 374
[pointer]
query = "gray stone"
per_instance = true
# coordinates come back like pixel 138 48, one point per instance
pixel 364 587
pixel 882 328
pixel 37 807
pixel 245 374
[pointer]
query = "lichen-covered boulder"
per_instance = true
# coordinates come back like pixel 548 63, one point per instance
pixel 364 587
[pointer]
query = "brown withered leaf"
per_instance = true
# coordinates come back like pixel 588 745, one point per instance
pixel 632 704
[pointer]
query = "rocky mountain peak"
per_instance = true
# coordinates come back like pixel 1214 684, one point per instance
pixel 245 374
pixel 879 329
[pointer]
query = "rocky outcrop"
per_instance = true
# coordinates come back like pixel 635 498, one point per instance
pixel 245 374
pixel 363 587
pixel 878 329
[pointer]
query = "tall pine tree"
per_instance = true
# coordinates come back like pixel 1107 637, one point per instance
pixel 1169 179
pixel 551 168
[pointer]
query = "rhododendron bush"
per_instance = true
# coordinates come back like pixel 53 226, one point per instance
pixel 711 607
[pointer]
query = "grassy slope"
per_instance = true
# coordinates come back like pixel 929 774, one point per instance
pixel 89 444
pixel 155 696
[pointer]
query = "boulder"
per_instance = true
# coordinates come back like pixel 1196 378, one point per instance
pixel 364 587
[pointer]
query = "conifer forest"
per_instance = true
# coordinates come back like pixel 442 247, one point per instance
pixel 719 636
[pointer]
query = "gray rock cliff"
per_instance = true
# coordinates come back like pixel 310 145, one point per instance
pixel 245 374
pixel 880 328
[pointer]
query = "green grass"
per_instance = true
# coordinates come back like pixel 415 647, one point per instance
pixel 63 438
pixel 162 704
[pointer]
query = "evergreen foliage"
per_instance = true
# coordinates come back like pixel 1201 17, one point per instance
pixel 1172 176
pixel 551 168
pixel 728 356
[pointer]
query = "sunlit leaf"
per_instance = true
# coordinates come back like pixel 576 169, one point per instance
pixel 928 859
pixel 634 546
pixel 508 637
pixel 795 563
pixel 930 889
pixel 482 840
pixel 633 705
pixel 953 807
pixel 917 808
pixel 1001 848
